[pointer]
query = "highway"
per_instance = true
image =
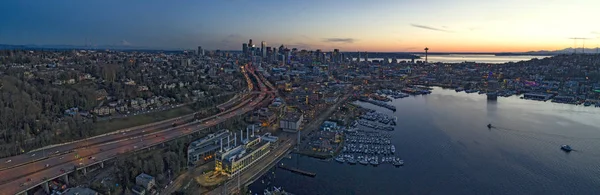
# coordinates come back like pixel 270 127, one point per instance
pixel 26 171
pixel 287 142
pixel 41 154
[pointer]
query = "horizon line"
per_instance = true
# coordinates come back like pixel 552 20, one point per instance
pixel 131 47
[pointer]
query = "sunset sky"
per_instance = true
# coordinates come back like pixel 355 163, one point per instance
pixel 350 25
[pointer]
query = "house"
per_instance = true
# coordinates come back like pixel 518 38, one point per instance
pixel 71 111
pixel 138 190
pixel 142 88
pixel 145 180
pixel 100 94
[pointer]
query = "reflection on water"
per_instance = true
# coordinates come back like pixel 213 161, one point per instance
pixel 448 149
pixel 458 58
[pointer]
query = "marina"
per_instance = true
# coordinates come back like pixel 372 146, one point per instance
pixel 379 117
pixel 537 96
pixel 368 148
pixel 378 103
pixel 375 126
pixel 441 143
pixel 376 120
pixel 393 94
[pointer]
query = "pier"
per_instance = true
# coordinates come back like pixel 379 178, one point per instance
pixel 295 170
pixel 378 103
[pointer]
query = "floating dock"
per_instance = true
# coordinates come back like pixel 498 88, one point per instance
pixel 295 170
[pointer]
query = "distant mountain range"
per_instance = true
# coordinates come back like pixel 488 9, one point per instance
pixel 555 52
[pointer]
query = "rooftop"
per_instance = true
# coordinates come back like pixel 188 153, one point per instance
pixel 209 138
pixel 292 116
pixel 145 176
pixel 79 191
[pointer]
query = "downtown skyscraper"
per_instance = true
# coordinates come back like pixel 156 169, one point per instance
pixel 263 50
pixel 200 51
pixel 245 49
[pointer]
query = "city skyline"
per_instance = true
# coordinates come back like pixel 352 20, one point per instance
pixel 385 26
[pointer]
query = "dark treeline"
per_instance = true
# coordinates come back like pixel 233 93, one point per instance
pixel 32 106
pixel 165 164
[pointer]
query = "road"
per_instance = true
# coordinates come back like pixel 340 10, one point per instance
pixel 255 171
pixel 28 170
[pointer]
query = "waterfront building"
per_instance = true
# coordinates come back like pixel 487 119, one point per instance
pixel 204 149
pixel 232 161
pixel 535 96
pixel 328 126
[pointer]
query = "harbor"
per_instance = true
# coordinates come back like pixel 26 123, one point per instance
pixel 368 147
pixel 378 103
pixel 444 135
pixel 298 171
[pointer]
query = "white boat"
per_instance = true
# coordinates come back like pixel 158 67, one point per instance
pixel 375 161
pixel 398 162
pixel 351 161
pixel 393 149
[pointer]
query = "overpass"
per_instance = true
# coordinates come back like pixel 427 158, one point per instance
pixel 28 171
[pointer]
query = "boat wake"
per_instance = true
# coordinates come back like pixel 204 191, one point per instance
pixel 544 133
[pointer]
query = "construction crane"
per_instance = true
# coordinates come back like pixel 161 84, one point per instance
pixel 575 44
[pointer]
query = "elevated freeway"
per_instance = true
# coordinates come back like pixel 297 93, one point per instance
pixel 18 174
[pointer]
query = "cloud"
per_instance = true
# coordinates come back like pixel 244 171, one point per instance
pixel 232 38
pixel 474 28
pixel 339 40
pixel 306 37
pixel 301 45
pixel 125 43
pixel 596 32
pixel 429 28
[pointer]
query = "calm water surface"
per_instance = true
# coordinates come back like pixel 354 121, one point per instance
pixel 448 149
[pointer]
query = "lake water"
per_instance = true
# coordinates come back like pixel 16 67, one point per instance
pixel 458 58
pixel 448 149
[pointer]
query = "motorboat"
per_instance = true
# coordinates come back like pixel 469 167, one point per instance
pixel 398 162
pixel 340 159
pixel 566 148
pixel 374 161
pixel 363 161
pixel 351 161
